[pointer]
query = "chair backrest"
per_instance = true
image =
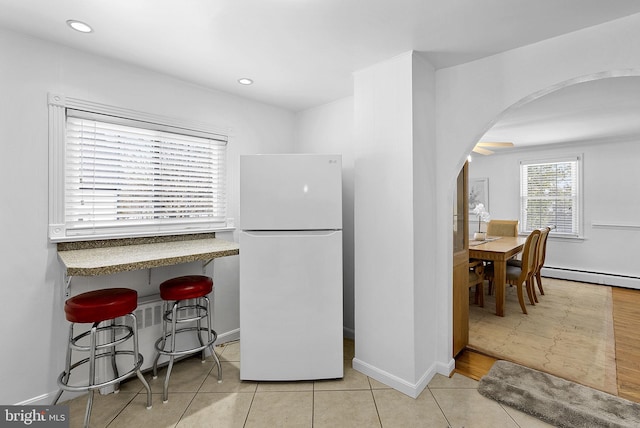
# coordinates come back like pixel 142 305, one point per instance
pixel 502 228
pixel 542 246
pixel 529 253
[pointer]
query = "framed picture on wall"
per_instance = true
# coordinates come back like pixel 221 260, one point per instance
pixel 478 194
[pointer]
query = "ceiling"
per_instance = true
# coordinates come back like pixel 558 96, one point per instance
pixel 300 53
pixel 591 112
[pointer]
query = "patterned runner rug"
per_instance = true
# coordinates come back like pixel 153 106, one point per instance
pixel 569 333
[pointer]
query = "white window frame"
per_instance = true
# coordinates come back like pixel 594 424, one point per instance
pixel 58 231
pixel 577 227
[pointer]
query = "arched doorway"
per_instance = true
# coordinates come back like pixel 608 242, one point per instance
pixel 621 127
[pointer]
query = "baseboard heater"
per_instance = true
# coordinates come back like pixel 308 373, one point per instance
pixel 601 278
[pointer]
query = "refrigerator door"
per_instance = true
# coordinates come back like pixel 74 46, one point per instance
pixel 290 192
pixel 291 305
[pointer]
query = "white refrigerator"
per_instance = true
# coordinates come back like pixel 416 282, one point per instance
pixel 291 267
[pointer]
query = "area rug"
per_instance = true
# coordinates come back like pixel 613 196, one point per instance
pixel 569 333
pixel 557 401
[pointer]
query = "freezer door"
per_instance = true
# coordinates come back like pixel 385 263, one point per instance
pixel 291 306
pixel 290 192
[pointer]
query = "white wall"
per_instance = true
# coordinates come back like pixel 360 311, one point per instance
pixel 34 328
pixel 329 129
pixel 610 186
pixel 425 308
pixel 383 221
pixel 471 97
pixel 394 183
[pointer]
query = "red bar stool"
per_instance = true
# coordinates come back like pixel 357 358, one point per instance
pixel 101 308
pixel 184 300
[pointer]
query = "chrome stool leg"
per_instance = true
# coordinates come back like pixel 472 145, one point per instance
pixel 67 366
pixel 212 339
pixel 160 344
pixel 139 359
pixel 92 371
pixel 114 366
pixel 199 329
pixel 174 320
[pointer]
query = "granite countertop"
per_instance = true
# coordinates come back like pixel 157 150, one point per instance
pixel 108 257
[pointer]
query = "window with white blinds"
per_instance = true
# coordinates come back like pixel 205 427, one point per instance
pixel 550 196
pixel 127 177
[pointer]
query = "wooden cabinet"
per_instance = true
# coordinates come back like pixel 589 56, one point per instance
pixel 461 262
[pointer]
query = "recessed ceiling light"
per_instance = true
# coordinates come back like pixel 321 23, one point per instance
pixel 245 81
pixel 79 26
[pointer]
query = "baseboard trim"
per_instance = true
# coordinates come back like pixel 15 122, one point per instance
pixel 446 369
pixel 413 390
pixel 229 336
pixel 46 399
pixel 600 278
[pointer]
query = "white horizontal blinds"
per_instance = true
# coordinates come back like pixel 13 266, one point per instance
pixel 550 196
pixel 120 177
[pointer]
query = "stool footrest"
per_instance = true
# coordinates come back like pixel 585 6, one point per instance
pixel 108 328
pixel 204 345
pixel 82 388
pixel 201 313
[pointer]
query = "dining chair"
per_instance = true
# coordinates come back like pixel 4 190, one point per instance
pixel 540 257
pixel 476 278
pixel 521 276
pixel 502 228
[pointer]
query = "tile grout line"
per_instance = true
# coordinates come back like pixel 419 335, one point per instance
pixel 204 379
pixel 444 415
pixel 123 408
pixel 375 403
pixel 509 414
pixel 253 397
pixel 313 404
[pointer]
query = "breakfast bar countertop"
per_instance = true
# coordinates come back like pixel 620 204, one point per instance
pixel 108 257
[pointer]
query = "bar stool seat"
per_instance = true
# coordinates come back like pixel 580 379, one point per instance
pixel 101 308
pixel 186 287
pixel 101 305
pixel 185 301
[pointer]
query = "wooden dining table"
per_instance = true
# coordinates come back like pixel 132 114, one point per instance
pixel 497 250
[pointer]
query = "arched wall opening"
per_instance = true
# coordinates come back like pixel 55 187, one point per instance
pixel 469 144
pixel 539 94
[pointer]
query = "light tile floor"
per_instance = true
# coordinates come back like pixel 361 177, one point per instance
pixel 197 400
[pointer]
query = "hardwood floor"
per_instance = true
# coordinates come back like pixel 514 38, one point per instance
pixel 626 324
pixel 473 364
